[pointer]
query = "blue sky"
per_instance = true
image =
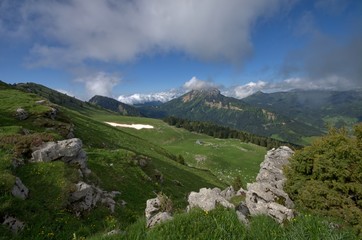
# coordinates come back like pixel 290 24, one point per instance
pixel 148 47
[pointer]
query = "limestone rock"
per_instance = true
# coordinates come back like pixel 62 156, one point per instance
pixel 242 211
pixel 19 189
pixel 85 197
pixel 266 195
pixel 228 193
pixel 153 213
pixel 207 199
pixel 21 114
pixel 69 151
pixel 14 224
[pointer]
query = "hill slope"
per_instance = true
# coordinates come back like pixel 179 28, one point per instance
pixel 313 107
pixel 210 105
pixel 114 105
pixel 113 157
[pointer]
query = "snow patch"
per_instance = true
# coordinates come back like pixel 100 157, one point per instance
pixel 135 126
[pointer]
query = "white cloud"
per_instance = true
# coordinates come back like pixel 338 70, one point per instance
pixel 69 32
pixel 139 98
pixel 247 89
pixel 197 84
pixel 100 83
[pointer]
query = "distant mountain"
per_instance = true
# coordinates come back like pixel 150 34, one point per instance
pixel 210 105
pixel 317 108
pixel 115 106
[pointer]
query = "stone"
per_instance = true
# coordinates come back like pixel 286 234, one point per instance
pixel 241 192
pixel 14 224
pixel 19 189
pixel 266 195
pixel 207 199
pixel 242 211
pixel 69 151
pixel 17 162
pixel 21 114
pixel 228 193
pixel 153 213
pixel 85 197
pixel 52 113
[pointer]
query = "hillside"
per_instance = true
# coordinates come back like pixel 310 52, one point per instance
pixel 113 157
pixel 114 105
pixel 317 108
pixel 210 105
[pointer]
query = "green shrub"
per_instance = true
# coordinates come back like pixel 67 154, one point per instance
pixel 326 177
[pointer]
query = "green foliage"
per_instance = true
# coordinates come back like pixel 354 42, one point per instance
pixel 165 202
pixel 218 131
pixel 237 183
pixel 224 224
pixel 326 177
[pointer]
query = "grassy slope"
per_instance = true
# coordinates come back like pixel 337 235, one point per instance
pixel 111 156
pixel 226 158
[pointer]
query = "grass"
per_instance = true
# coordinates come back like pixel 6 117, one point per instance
pixel 226 158
pixel 224 224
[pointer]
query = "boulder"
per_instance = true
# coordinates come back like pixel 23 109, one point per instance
pixel 207 199
pixel 14 224
pixel 242 211
pixel 266 195
pixel 154 214
pixel 19 189
pixel 21 114
pixel 52 113
pixel 69 151
pixel 228 193
pixel 85 197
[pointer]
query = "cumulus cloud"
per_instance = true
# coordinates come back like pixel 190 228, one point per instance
pixel 69 32
pixel 100 83
pixel 197 84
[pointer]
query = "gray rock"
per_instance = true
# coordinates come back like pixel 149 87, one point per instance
pixel 17 162
pixel 153 213
pixel 19 189
pixel 85 197
pixel 52 113
pixel 207 199
pixel 159 218
pixel 241 192
pixel 14 224
pixel 228 193
pixel 266 195
pixel 69 151
pixel 242 211
pixel 21 114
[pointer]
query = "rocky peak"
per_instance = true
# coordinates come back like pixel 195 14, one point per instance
pixel 207 93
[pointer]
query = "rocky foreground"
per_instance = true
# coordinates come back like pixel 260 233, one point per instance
pixel 264 196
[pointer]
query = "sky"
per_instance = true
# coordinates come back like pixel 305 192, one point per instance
pixel 149 50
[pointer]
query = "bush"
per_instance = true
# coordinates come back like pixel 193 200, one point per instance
pixel 326 177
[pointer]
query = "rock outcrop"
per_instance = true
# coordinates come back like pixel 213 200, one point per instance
pixel 21 114
pixel 154 214
pixel 69 151
pixel 207 199
pixel 266 195
pixel 86 197
pixel 19 189
pixel 14 224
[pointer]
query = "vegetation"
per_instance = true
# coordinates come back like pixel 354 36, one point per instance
pixel 326 177
pixel 211 106
pixel 224 224
pixel 174 162
pixel 225 132
pixel 114 105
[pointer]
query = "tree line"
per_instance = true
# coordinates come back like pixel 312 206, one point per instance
pixel 218 131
